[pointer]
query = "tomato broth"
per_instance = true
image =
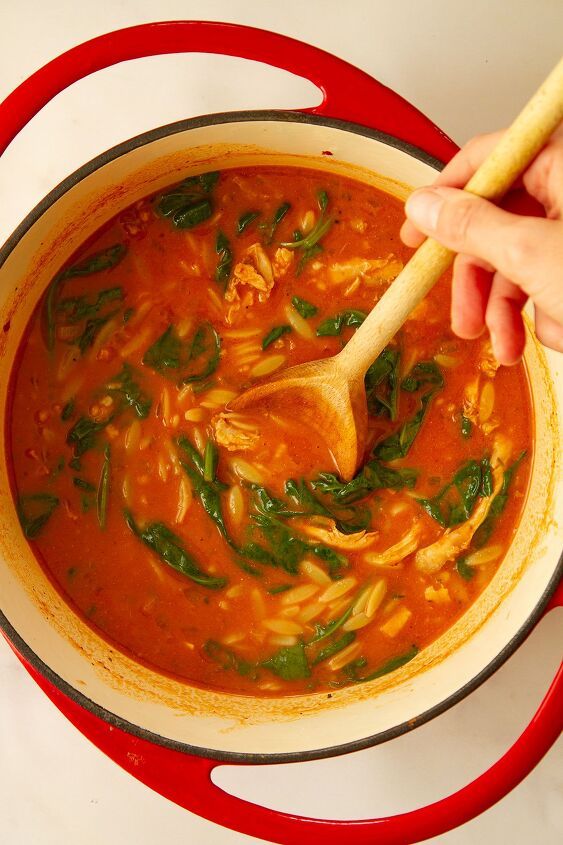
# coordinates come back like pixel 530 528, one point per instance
pixel 223 548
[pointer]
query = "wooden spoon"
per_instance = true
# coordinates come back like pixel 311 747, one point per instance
pixel 329 394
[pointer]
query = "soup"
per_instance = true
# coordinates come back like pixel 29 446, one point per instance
pixel 223 548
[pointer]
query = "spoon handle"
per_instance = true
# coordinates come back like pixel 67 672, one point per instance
pixel 517 148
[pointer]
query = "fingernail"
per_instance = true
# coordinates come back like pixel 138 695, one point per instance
pixel 423 208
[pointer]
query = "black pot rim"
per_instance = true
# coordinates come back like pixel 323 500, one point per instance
pixel 27 653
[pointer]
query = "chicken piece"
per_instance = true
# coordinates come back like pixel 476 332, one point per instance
pixel 325 531
pixel 255 270
pixel 432 558
pixel 283 259
pixel 233 434
pixel 488 364
pixel 438 595
pixel 371 271
pixel 398 552
pixel 471 401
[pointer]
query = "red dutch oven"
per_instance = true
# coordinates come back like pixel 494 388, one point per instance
pixel 167 734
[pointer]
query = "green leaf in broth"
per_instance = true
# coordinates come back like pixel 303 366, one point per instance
pixel 289 663
pixel 170 549
pixel 333 326
pixel 34 511
pixel 274 334
pixel 306 309
pixel 245 220
pixel 423 374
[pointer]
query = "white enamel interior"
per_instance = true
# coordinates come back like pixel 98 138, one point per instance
pixel 219 723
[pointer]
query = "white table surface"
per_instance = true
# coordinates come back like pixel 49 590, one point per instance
pixel 469 66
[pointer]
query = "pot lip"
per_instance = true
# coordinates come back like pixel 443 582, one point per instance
pixel 217 119
pixel 238 757
pixel 27 653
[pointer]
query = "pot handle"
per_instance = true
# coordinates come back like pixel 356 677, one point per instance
pixel 186 780
pixel 348 93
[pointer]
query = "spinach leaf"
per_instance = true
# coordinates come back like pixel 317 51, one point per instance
pixel 455 502
pixel 67 411
pixel 306 257
pixel 464 570
pixel 309 243
pixel 398 444
pixel 390 666
pixel 102 498
pixel 348 522
pixel 205 181
pixel 372 476
pixel 105 259
pixel 289 663
pixel 204 355
pixel 225 263
pixel 82 484
pixel 169 548
pixel 127 314
pixel 188 218
pixel 210 459
pixel 483 533
pixel 245 220
pixel 322 631
pixel 268 228
pixel 208 491
pixel 194 360
pixel 333 648
pixel 287 549
pixel 34 511
pixel 165 353
pixel 77 308
pixel 306 309
pixel 83 435
pixel 90 332
pixel 421 375
pixel 332 326
pixel 487 484
pixel 229 659
pixel 381 383
pixel 466 427
pixel 274 334
pixel 188 205
pixel 279 588
pixel 129 391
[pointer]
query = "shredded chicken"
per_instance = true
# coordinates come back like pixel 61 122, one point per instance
pixel 438 595
pixel 230 434
pixel 283 259
pixel 432 558
pixel 488 364
pixel 255 270
pixel 326 531
pixel 397 553
pixel 471 401
pixel 372 271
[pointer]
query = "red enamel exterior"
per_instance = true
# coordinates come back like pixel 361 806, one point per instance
pixel 352 95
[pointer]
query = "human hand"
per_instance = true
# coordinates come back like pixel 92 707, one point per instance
pixel 503 259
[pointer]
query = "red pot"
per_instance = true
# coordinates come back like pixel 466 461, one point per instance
pixel 364 130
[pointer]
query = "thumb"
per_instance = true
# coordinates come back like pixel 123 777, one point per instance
pixel 527 250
